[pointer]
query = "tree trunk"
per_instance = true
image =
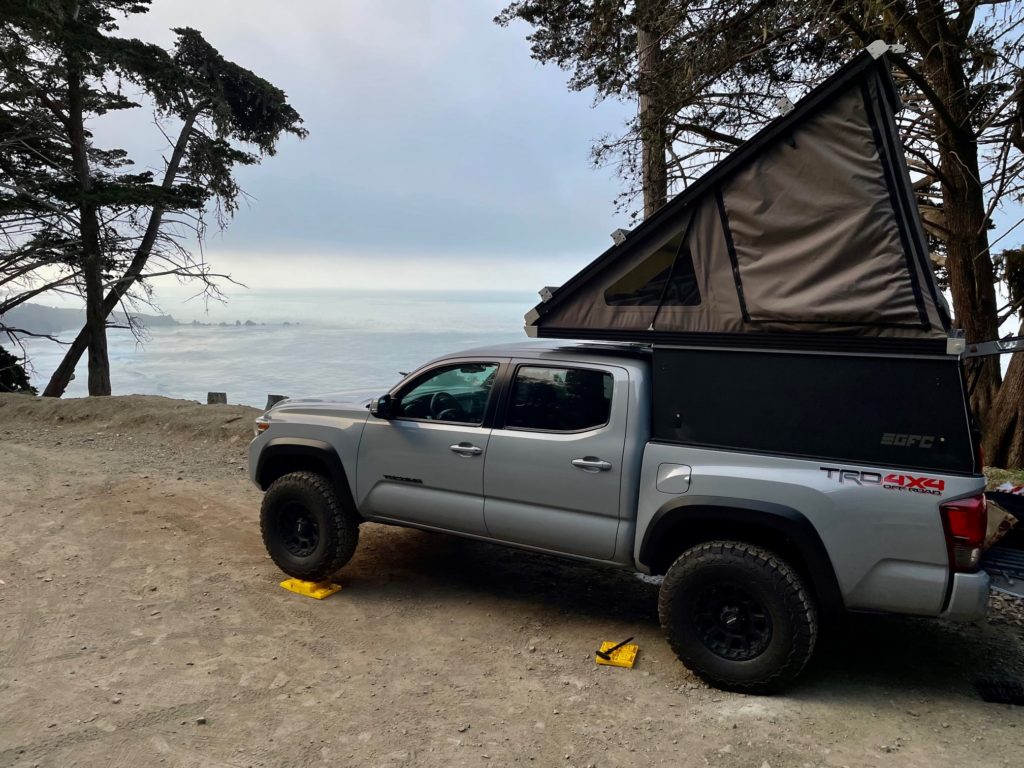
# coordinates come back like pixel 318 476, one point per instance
pixel 968 261
pixel 1003 442
pixel 652 113
pixel 96 323
pixel 61 377
pixel 92 257
pixel 971 276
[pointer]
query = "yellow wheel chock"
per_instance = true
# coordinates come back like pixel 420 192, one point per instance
pixel 315 589
pixel 614 654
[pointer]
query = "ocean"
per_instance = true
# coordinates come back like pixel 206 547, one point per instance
pixel 332 341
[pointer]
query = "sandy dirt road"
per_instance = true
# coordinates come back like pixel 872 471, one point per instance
pixel 141 624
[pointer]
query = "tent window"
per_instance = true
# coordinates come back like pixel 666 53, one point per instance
pixel 654 281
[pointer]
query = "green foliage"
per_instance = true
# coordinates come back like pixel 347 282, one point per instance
pixel 719 69
pixel 12 375
pixel 995 477
pixel 228 102
pixel 77 213
pixel 241 104
pixel 594 40
pixel 723 64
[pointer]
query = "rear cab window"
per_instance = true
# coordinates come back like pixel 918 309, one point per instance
pixel 551 398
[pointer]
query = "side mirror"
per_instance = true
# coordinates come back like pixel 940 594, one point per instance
pixel 382 407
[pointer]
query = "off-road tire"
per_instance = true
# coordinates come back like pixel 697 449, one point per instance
pixel 783 603
pixel 312 497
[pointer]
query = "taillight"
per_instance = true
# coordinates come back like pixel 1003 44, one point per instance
pixel 965 522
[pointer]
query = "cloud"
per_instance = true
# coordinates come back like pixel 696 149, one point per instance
pixel 434 140
pixel 344 270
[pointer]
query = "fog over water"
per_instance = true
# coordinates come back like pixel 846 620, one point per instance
pixel 343 340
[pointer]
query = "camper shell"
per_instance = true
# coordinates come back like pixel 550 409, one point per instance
pixel 788 295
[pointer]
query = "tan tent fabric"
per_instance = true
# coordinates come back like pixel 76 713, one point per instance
pixel 814 228
pixel 809 228
pixel 719 307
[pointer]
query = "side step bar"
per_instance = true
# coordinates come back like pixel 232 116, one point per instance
pixel 1005 562
pixel 1006 567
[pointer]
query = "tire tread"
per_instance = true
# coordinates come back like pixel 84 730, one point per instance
pixel 343 537
pixel 785 582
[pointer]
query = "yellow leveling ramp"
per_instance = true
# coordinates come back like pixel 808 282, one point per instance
pixel 315 589
pixel 621 657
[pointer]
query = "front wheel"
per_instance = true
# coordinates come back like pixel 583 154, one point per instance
pixel 738 616
pixel 307 530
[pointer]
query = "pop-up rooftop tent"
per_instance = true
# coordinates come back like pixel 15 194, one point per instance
pixel 807 235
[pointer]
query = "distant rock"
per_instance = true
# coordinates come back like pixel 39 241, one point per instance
pixel 149 321
pixel 37 318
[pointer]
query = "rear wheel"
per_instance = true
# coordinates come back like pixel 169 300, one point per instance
pixel 738 616
pixel 307 530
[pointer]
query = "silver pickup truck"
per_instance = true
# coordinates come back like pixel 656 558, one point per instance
pixel 769 498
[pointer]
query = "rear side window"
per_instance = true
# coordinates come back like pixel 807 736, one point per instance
pixel 559 399
pixel 886 411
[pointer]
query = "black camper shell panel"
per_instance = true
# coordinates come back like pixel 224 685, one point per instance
pixel 886 411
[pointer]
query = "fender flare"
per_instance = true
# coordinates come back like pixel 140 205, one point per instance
pixel 291 448
pixel 695 512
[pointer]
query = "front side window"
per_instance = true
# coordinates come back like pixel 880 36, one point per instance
pixel 559 399
pixel 451 393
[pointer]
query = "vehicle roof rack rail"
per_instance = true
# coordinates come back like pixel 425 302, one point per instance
pixel 1002 346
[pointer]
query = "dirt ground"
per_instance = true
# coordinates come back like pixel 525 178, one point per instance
pixel 141 623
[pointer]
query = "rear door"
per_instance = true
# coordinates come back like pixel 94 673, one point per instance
pixel 425 465
pixel 554 460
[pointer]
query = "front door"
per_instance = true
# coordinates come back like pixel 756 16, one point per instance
pixel 425 465
pixel 554 460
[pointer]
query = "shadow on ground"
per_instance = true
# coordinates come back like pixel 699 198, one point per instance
pixel 431 566
pixel 857 656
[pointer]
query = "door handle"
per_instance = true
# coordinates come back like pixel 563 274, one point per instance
pixel 591 464
pixel 466 449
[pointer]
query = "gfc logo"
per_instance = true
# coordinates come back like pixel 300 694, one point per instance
pixel 908 441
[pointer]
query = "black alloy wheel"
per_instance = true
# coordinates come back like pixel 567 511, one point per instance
pixel 732 623
pixel 298 530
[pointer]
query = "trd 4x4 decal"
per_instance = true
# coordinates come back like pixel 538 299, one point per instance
pixel 892 481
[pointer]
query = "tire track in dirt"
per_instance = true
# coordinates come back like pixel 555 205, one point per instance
pixel 436 652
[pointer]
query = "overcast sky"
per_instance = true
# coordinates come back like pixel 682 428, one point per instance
pixel 440 155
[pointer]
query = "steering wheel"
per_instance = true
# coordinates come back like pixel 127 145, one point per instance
pixel 444 407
